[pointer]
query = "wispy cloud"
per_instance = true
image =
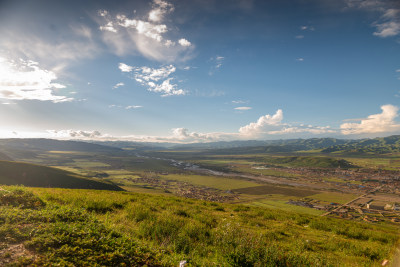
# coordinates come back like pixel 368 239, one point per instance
pixel 217 63
pixel 75 44
pixel 300 59
pixel 388 24
pixel 133 107
pixel 118 85
pixel 242 108
pixel 156 80
pixel 159 10
pixel 25 80
pixel 127 35
pixel 307 28
pixel 240 101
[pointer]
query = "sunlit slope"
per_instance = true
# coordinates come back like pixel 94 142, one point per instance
pixel 18 173
pixel 90 228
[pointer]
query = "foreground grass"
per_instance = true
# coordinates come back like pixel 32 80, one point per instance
pixel 87 227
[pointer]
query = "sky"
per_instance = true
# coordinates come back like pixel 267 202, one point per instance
pixel 199 70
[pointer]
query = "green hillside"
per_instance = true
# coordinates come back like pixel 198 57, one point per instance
pixel 380 145
pixel 313 162
pixel 18 173
pixel 64 227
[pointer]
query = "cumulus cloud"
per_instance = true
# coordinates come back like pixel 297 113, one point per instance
pixel 243 108
pixel 184 42
pixel 157 80
pixel 118 85
pixel 25 80
pixel 160 9
pixel 125 68
pixel 377 123
pixel 262 123
pixel 272 125
pixel 75 134
pixel 127 35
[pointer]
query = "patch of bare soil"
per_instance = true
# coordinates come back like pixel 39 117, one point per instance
pixel 15 254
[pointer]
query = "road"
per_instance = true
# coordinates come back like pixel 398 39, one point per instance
pixel 351 201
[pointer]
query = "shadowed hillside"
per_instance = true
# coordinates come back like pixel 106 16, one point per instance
pixel 17 173
pixel 5 157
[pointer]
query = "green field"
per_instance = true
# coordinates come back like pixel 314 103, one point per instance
pixel 82 227
pixel 282 205
pixel 334 197
pixel 274 189
pixel 221 183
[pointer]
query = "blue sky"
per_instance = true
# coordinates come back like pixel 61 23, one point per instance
pixel 198 71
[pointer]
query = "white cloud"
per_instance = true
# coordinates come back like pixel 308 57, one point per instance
pixel 27 81
pixel 108 27
pixel 262 123
pixel 272 125
pixel 157 80
pixel 389 22
pixel 307 28
pixel 184 42
pixel 125 68
pixel 243 108
pixel 300 59
pixel 218 60
pixel 377 123
pixel 118 85
pixel 240 102
pixel 133 107
pixel 387 29
pixel 128 35
pixel 76 43
pixel 160 9
pixel 75 134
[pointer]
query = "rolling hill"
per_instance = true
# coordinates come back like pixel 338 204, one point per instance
pixel 18 173
pixel 380 145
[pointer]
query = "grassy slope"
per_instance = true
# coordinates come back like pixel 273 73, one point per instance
pixel 81 227
pixel 18 173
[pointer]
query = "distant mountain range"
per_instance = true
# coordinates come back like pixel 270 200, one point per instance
pixel 11 147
